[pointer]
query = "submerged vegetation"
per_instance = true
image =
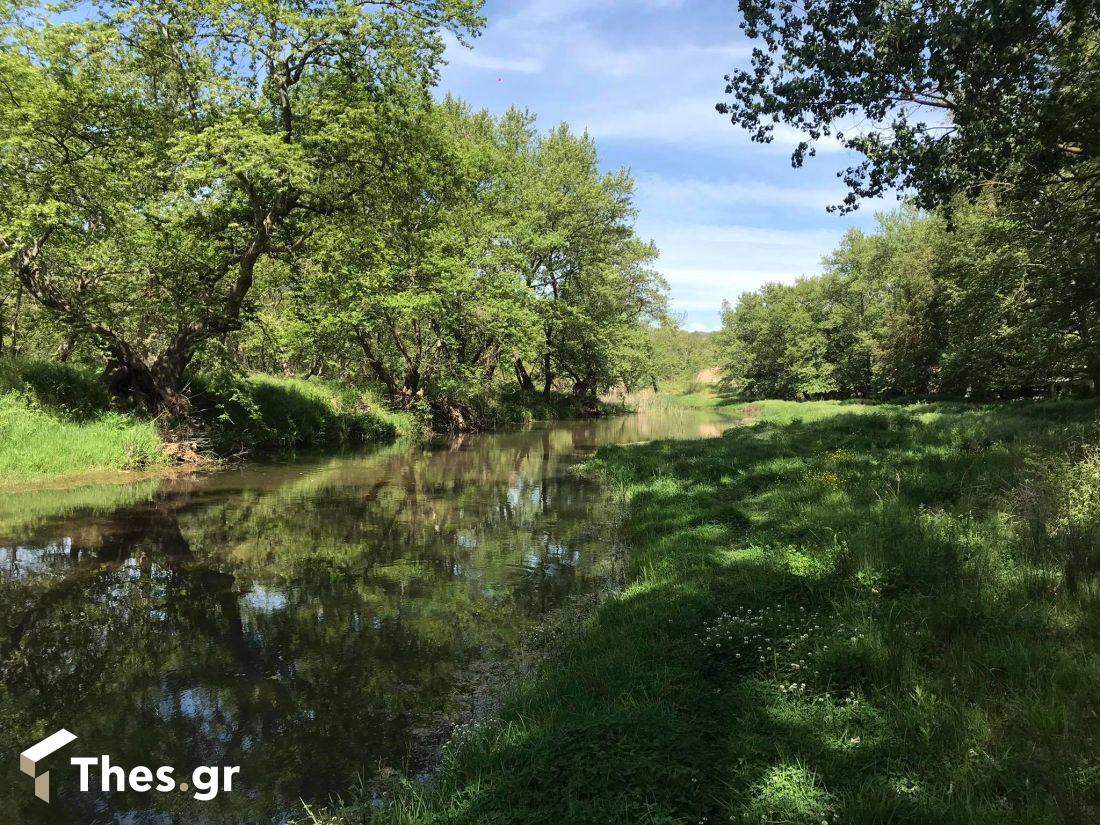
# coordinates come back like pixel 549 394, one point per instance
pixel 838 613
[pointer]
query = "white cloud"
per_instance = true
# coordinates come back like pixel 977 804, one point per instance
pixel 670 194
pixel 475 58
pixel 692 121
pixel 705 265
pixel 699 326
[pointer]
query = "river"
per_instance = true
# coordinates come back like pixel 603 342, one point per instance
pixel 312 622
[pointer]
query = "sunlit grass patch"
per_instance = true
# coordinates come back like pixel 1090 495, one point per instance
pixel 788 793
pixel 36 444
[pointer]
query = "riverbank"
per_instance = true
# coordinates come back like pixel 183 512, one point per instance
pixel 838 613
pixel 58 425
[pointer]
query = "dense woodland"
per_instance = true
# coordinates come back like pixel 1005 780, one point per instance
pixel 987 119
pixel 959 305
pixel 210 189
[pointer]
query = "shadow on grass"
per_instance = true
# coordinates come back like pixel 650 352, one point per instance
pixel 869 617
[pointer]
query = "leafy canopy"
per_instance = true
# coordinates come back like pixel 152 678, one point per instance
pixel 939 97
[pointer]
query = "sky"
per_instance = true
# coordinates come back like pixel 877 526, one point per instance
pixel 643 77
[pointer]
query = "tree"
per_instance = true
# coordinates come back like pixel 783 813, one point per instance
pixel 575 245
pixel 774 343
pixel 154 158
pixel 948 100
pixel 949 95
pixel 412 272
pixel 920 308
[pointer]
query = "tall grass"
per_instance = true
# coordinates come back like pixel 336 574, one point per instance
pixel 838 613
pixel 262 412
pixel 58 420
pixel 35 444
pixel 55 421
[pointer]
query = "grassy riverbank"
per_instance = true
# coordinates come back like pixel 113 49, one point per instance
pixel 57 421
pixel 839 613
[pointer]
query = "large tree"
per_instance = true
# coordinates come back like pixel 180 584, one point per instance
pixel 575 245
pixel 970 98
pixel 154 156
pixel 940 97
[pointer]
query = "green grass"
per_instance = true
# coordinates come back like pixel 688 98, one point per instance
pixel 262 412
pixel 58 421
pixel 71 392
pixel 35 444
pixel 842 613
pixel 55 421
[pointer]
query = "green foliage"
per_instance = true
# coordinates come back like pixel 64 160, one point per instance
pixel 491 257
pixel 156 156
pixel 953 102
pixel 940 98
pixel 275 189
pixel 920 308
pixel 830 618
pixel 263 412
pixel 679 356
pixel 57 420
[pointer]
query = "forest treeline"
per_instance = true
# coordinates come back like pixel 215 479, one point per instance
pixel 965 304
pixel 987 118
pixel 216 188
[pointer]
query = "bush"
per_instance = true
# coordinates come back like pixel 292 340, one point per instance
pixel 243 413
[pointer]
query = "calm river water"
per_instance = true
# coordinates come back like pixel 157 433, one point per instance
pixel 312 622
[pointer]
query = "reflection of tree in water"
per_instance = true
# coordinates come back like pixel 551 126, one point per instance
pixel 298 625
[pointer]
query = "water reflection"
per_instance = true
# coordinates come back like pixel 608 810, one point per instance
pixel 306 621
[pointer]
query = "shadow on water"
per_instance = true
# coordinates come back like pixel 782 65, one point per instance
pixel 306 621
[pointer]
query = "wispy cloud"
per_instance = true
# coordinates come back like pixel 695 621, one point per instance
pixel 459 55
pixel 663 193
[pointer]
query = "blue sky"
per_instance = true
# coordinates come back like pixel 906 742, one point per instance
pixel 642 76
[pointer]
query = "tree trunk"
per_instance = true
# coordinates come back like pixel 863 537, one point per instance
pixel 66 348
pixel 547 375
pixel 159 387
pixel 376 365
pixel 522 376
pixel 15 321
